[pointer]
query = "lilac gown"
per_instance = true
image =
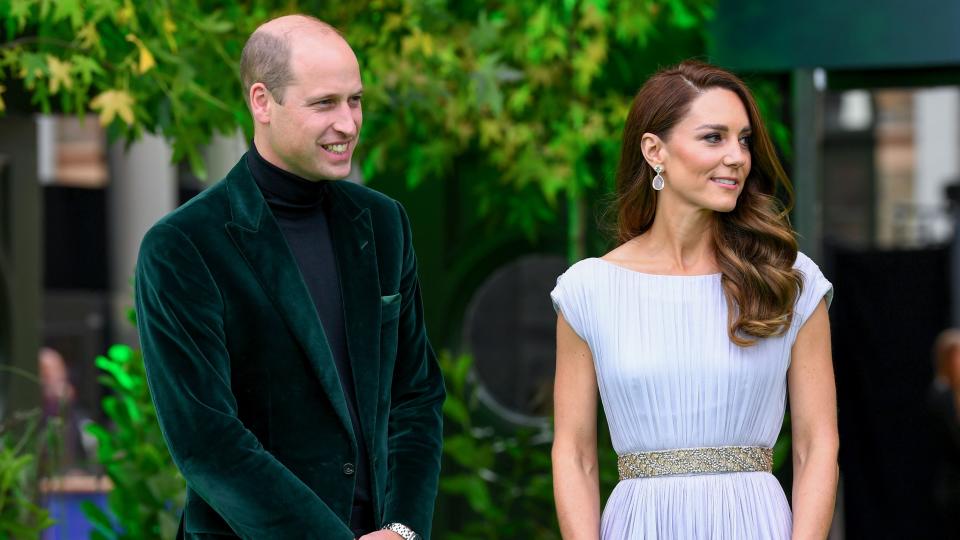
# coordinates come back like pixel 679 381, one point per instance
pixel 670 378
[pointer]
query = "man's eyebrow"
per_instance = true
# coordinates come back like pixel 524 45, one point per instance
pixel 315 99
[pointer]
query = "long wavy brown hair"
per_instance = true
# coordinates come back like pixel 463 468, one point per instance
pixel 755 245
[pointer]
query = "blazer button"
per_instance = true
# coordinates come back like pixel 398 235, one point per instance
pixel 348 469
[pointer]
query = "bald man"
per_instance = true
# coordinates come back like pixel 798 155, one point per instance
pixel 281 322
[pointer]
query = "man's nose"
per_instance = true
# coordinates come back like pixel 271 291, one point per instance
pixel 344 122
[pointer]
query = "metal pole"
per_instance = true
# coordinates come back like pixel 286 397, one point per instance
pixel 953 196
pixel 807 176
pixel 23 262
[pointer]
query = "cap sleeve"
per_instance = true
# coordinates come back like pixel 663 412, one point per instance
pixel 815 288
pixel 568 300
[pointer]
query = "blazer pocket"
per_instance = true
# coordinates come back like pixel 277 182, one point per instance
pixel 389 307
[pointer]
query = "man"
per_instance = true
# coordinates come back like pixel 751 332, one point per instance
pixel 281 322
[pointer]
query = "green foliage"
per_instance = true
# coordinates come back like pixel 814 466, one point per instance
pixel 541 89
pixel 20 439
pixel 148 490
pixel 503 479
pixel 168 67
pixel 497 477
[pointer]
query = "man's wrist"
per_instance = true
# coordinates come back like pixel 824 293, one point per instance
pixel 405 532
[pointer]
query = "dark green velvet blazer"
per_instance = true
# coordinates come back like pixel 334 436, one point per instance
pixel 244 381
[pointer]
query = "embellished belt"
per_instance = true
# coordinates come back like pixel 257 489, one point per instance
pixel 721 459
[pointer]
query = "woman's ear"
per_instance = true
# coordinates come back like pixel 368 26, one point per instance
pixel 653 149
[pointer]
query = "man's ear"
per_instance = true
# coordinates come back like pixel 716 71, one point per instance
pixel 653 149
pixel 261 103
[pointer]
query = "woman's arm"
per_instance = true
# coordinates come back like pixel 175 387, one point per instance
pixel 813 409
pixel 576 483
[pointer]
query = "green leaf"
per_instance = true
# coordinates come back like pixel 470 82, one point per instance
pixel 682 17
pixel 120 353
pixel 99 519
pixel 473 488
pixel 213 24
pixel 33 66
pixel 18 15
pixel 68 9
pixel 123 379
pixel 457 411
pixel 86 68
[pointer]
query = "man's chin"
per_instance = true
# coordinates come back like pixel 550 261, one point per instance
pixel 339 172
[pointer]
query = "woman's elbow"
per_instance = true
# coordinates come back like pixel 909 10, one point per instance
pixel 573 457
pixel 824 447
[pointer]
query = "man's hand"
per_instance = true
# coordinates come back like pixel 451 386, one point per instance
pixel 381 535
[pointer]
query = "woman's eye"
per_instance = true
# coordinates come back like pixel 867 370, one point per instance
pixel 713 137
pixel 745 140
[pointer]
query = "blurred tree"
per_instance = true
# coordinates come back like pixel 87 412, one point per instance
pixel 540 88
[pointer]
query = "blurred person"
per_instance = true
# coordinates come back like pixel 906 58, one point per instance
pixel 281 322
pixel 693 330
pixel 944 403
pixel 58 402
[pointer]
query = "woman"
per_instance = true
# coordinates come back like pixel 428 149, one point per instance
pixel 693 329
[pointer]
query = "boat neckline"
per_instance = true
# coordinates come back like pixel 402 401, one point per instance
pixel 632 271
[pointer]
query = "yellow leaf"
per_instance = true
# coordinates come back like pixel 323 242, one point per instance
pixel 88 36
pixel 111 103
pixel 169 27
pixel 146 57
pixel 427 45
pixel 490 132
pixel 125 13
pixel 3 106
pixel 392 22
pixel 59 74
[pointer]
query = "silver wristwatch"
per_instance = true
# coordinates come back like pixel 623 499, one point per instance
pixel 401 529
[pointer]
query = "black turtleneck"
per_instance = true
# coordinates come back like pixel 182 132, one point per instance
pixel 300 209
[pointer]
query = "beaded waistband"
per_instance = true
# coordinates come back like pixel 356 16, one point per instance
pixel 721 459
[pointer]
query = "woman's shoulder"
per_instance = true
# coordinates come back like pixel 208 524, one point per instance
pixel 803 261
pixel 583 270
pixel 815 284
pixel 807 266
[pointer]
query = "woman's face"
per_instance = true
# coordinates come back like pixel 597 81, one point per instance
pixel 706 157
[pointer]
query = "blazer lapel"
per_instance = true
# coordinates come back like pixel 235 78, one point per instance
pixel 258 237
pixel 353 243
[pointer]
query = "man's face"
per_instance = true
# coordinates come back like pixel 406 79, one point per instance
pixel 314 131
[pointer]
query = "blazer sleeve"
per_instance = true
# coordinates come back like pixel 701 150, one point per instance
pixel 180 320
pixel 415 427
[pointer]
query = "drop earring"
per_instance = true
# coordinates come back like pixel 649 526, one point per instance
pixel 658 182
